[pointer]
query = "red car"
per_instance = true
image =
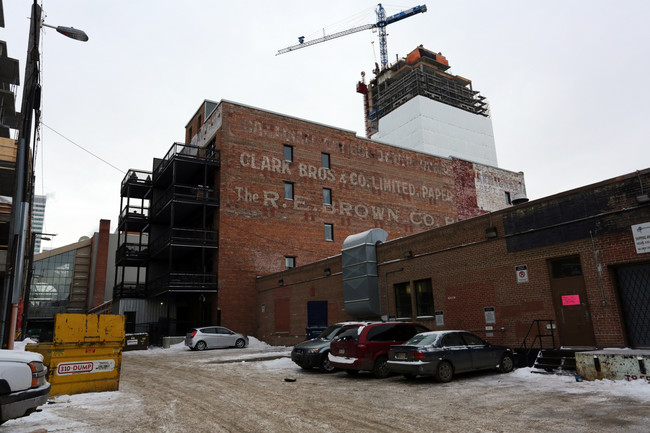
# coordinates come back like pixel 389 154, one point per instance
pixel 365 347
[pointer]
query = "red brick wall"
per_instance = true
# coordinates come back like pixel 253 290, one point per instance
pixel 373 185
pixel 101 260
pixel 470 271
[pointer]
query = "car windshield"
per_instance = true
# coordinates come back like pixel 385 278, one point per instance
pixel 424 339
pixel 330 332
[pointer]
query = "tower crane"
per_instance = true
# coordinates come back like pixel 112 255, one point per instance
pixel 380 25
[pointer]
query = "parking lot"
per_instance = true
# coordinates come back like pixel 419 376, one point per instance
pixel 246 390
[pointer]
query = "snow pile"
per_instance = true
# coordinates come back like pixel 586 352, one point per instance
pixel 20 345
pixel 567 383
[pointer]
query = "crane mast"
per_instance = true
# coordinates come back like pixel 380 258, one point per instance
pixel 380 25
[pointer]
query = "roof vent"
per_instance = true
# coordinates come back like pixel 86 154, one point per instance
pixel 519 198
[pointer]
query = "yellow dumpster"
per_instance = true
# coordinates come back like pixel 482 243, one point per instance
pixel 86 354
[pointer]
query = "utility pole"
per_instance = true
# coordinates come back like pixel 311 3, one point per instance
pixel 23 190
pixel 20 208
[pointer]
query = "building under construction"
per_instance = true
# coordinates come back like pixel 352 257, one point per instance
pixel 415 103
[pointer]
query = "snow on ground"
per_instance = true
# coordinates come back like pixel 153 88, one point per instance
pixel 260 355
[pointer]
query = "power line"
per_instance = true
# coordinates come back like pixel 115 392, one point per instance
pixel 82 148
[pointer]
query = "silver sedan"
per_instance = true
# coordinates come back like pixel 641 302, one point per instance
pixel 210 337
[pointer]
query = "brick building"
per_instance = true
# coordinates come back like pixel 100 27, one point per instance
pixel 580 259
pixel 254 192
pixel 73 279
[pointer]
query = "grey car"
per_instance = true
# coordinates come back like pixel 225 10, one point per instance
pixel 210 337
pixel 313 353
pixel 442 354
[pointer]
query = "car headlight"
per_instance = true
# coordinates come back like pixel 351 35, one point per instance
pixel 315 350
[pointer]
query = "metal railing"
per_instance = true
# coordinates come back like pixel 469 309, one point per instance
pixel 197 193
pixel 188 152
pixel 185 237
pixel 131 251
pixel 539 336
pixel 130 289
pixel 183 282
pixel 137 212
pixel 137 177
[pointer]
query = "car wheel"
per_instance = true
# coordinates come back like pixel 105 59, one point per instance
pixel 352 372
pixel 240 344
pixel 201 345
pixel 381 368
pixel 506 365
pixel 325 364
pixel 444 372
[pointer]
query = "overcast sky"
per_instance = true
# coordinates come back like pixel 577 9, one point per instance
pixel 566 82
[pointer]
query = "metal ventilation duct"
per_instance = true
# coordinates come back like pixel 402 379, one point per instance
pixel 361 293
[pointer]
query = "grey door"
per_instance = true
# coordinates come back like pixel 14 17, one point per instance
pixel 634 291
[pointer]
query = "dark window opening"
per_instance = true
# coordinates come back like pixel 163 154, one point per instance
pixel 329 232
pixel 325 160
pixel 288 153
pixel 288 190
pixel 424 297
pixel 564 268
pixel 327 196
pixel 402 300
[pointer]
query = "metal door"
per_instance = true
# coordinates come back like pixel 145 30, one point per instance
pixel 634 290
pixel 317 314
pixel 571 303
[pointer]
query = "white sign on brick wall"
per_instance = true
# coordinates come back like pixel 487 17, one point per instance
pixel 641 234
pixel 522 273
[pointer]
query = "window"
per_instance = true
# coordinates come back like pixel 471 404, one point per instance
pixel 451 340
pixel 383 333
pixel 327 196
pixel 129 322
pixel 288 190
pixel 329 232
pixel 508 199
pixel 288 153
pixel 289 262
pixel 424 297
pixel 403 300
pixel 325 160
pixel 564 268
pixel 472 340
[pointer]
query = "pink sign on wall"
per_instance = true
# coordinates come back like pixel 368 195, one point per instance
pixel 571 300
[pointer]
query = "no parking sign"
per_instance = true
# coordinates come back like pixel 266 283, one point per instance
pixel 522 273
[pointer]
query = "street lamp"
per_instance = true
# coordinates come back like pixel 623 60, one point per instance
pixel 70 32
pixel 22 199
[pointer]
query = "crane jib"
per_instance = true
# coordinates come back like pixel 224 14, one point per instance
pixel 382 22
pixel 405 14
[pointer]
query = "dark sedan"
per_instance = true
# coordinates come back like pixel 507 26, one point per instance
pixel 442 354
